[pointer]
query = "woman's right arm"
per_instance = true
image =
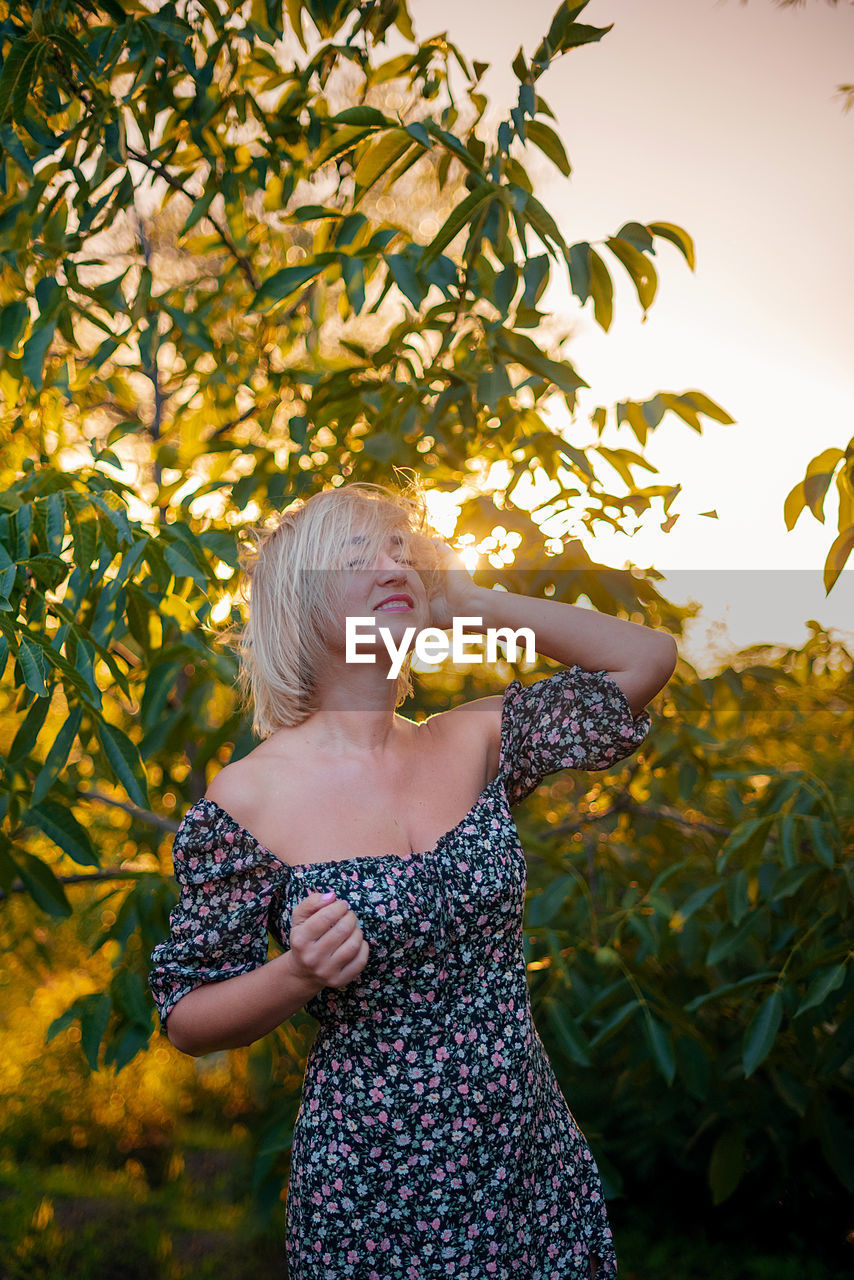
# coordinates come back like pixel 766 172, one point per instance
pixel 235 1012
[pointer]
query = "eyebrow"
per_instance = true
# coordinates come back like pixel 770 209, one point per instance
pixel 359 537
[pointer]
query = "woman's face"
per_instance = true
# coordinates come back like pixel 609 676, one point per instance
pixel 391 590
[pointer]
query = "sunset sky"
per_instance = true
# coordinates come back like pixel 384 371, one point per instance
pixel 724 118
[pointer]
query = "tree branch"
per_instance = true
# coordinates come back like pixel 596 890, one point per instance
pixel 141 815
pixel 162 172
pixel 108 873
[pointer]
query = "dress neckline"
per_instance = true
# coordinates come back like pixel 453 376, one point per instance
pixel 359 857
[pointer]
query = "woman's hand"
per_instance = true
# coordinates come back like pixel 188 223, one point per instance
pixel 327 946
pixel 455 595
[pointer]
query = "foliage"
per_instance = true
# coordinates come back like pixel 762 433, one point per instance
pixel 812 492
pixel 695 933
pixel 227 374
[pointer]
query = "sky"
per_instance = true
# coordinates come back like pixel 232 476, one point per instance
pixel 723 118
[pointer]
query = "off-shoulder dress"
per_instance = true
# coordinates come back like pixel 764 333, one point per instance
pixel 432 1137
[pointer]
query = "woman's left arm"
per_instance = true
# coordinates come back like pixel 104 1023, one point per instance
pixel 640 659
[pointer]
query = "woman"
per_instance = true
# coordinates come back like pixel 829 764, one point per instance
pixel 432 1137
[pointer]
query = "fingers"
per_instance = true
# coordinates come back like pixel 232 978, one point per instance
pixel 332 919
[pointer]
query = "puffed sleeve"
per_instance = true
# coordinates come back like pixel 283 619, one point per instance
pixel 219 925
pixel 573 719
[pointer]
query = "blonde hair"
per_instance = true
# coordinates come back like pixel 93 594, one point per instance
pixel 292 606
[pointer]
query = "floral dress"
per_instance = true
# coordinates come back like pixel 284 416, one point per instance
pixel 432 1138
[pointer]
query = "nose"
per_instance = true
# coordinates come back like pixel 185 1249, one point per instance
pixel 388 564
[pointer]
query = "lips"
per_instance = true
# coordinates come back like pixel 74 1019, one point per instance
pixel 400 601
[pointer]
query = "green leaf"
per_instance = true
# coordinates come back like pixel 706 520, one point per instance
pixel 661 1045
pixel 42 885
pixel 192 328
pixel 492 385
pixel 285 282
pixel 615 1021
pixel 821 986
pixel 823 849
pixel 640 269
pixel 19 68
pixel 124 761
pixel 541 220
pixel 528 354
pixel 676 235
pixel 578 262
pixel 126 1044
pixel 380 156
pixel 543 908
pixel 726 1166
pixel 730 939
pixel 403 275
pixel 457 219
pixel 94 1016
pixel 57 756
pixel 567 1032
pixel 33 666
pixel 602 289
pixel 536 274
pixel 25 738
pixel 544 137
pixel 182 566
pixel 60 825
pixel 837 557
pixel 749 836
pixel 199 209
pixel 363 117
pixel 130 996
pixel 738 899
pixel 35 350
pixel 13 322
pixel 353 274
pixel 762 1031
pixel 790 880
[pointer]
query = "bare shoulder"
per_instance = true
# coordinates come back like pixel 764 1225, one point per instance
pixel 238 786
pixel 473 726
pixel 231 783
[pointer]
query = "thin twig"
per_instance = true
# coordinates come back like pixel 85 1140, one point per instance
pixel 108 873
pixel 142 815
